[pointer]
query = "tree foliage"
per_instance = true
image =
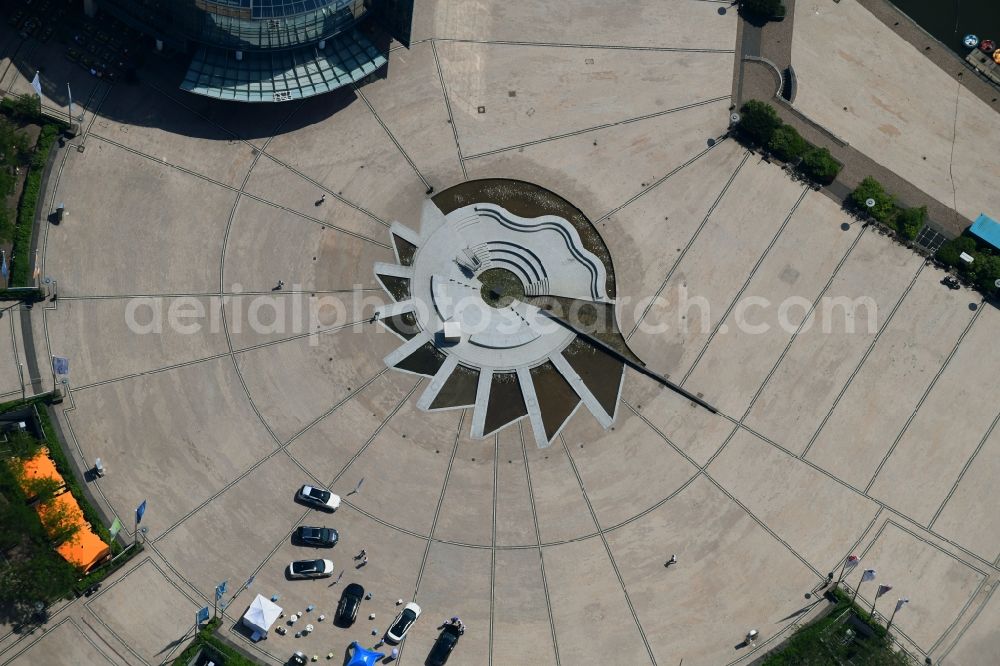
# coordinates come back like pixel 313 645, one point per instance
pixel 787 144
pixel 764 8
pixel 819 165
pixel 758 121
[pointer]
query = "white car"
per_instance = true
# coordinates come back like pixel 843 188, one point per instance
pixel 310 569
pixel 319 497
pixel 397 630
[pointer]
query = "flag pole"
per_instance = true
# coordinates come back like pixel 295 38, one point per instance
pixel 891 618
pixel 857 589
pixel 875 601
pixel 54 383
pixel 69 94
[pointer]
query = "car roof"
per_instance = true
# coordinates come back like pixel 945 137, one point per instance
pixel 355 588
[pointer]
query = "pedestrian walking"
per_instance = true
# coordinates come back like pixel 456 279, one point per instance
pixel 394 655
pixel 362 563
pixel 361 554
pixel 322 198
pixel 672 560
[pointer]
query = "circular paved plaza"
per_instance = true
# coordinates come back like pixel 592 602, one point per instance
pixel 855 396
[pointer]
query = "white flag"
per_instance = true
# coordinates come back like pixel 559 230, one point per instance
pixel 869 574
pixel 37 85
pixel 902 602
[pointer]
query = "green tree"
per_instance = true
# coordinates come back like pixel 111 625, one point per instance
pixel 787 143
pixel 758 121
pixel 950 250
pixel 985 271
pixel 910 221
pixel 869 188
pixel 819 164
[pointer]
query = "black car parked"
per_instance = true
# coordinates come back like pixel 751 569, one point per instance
pixel 347 607
pixel 321 537
pixel 445 643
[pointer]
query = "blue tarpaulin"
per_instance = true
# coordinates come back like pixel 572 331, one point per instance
pixel 987 229
pixel 360 656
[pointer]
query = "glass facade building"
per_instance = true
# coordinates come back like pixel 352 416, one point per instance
pixel 270 50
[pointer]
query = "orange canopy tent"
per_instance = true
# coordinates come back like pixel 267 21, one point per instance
pixel 39 467
pixel 84 549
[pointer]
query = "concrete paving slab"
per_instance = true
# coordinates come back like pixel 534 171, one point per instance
pixel 560 508
pixel 600 170
pixel 690 610
pixel 883 395
pixel 515 515
pixel 152 124
pixel 328 446
pixel 129 350
pixel 969 516
pixel 647 237
pixel 710 275
pixel 411 103
pixel 51 648
pixel 647 469
pixel 467 512
pixel 350 153
pixel 482 75
pixel 396 493
pixel 147 612
pixel 959 410
pixel 520 610
pixel 262 503
pixel 177 438
pixel 902 111
pixel 675 23
pixel 939 585
pixel 980 638
pixel 817 516
pixel 294 382
pixel 439 601
pixel 110 242
pixel 693 429
pixel 289 189
pixel 595 618
pixel 303 254
pixel 737 362
pixel 818 364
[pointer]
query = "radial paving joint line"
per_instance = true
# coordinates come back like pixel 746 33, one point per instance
pixel 607 548
pixel 697 232
pixel 965 468
pixel 447 104
pixel 378 119
pixel 538 540
pixel 746 283
pixel 857 369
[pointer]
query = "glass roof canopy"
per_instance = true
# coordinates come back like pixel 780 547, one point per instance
pixel 280 76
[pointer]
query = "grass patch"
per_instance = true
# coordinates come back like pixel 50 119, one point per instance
pixel 20 265
pixel 500 287
pixel 845 635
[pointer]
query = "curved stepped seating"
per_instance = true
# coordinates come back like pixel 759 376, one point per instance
pixel 540 288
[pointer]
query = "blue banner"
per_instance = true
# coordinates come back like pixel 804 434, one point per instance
pixel 202 615
pixel 60 365
pixel 140 510
pixel 221 589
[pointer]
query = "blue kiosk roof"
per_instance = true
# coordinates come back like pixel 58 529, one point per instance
pixel 987 229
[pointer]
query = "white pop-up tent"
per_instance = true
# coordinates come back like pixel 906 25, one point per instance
pixel 261 614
